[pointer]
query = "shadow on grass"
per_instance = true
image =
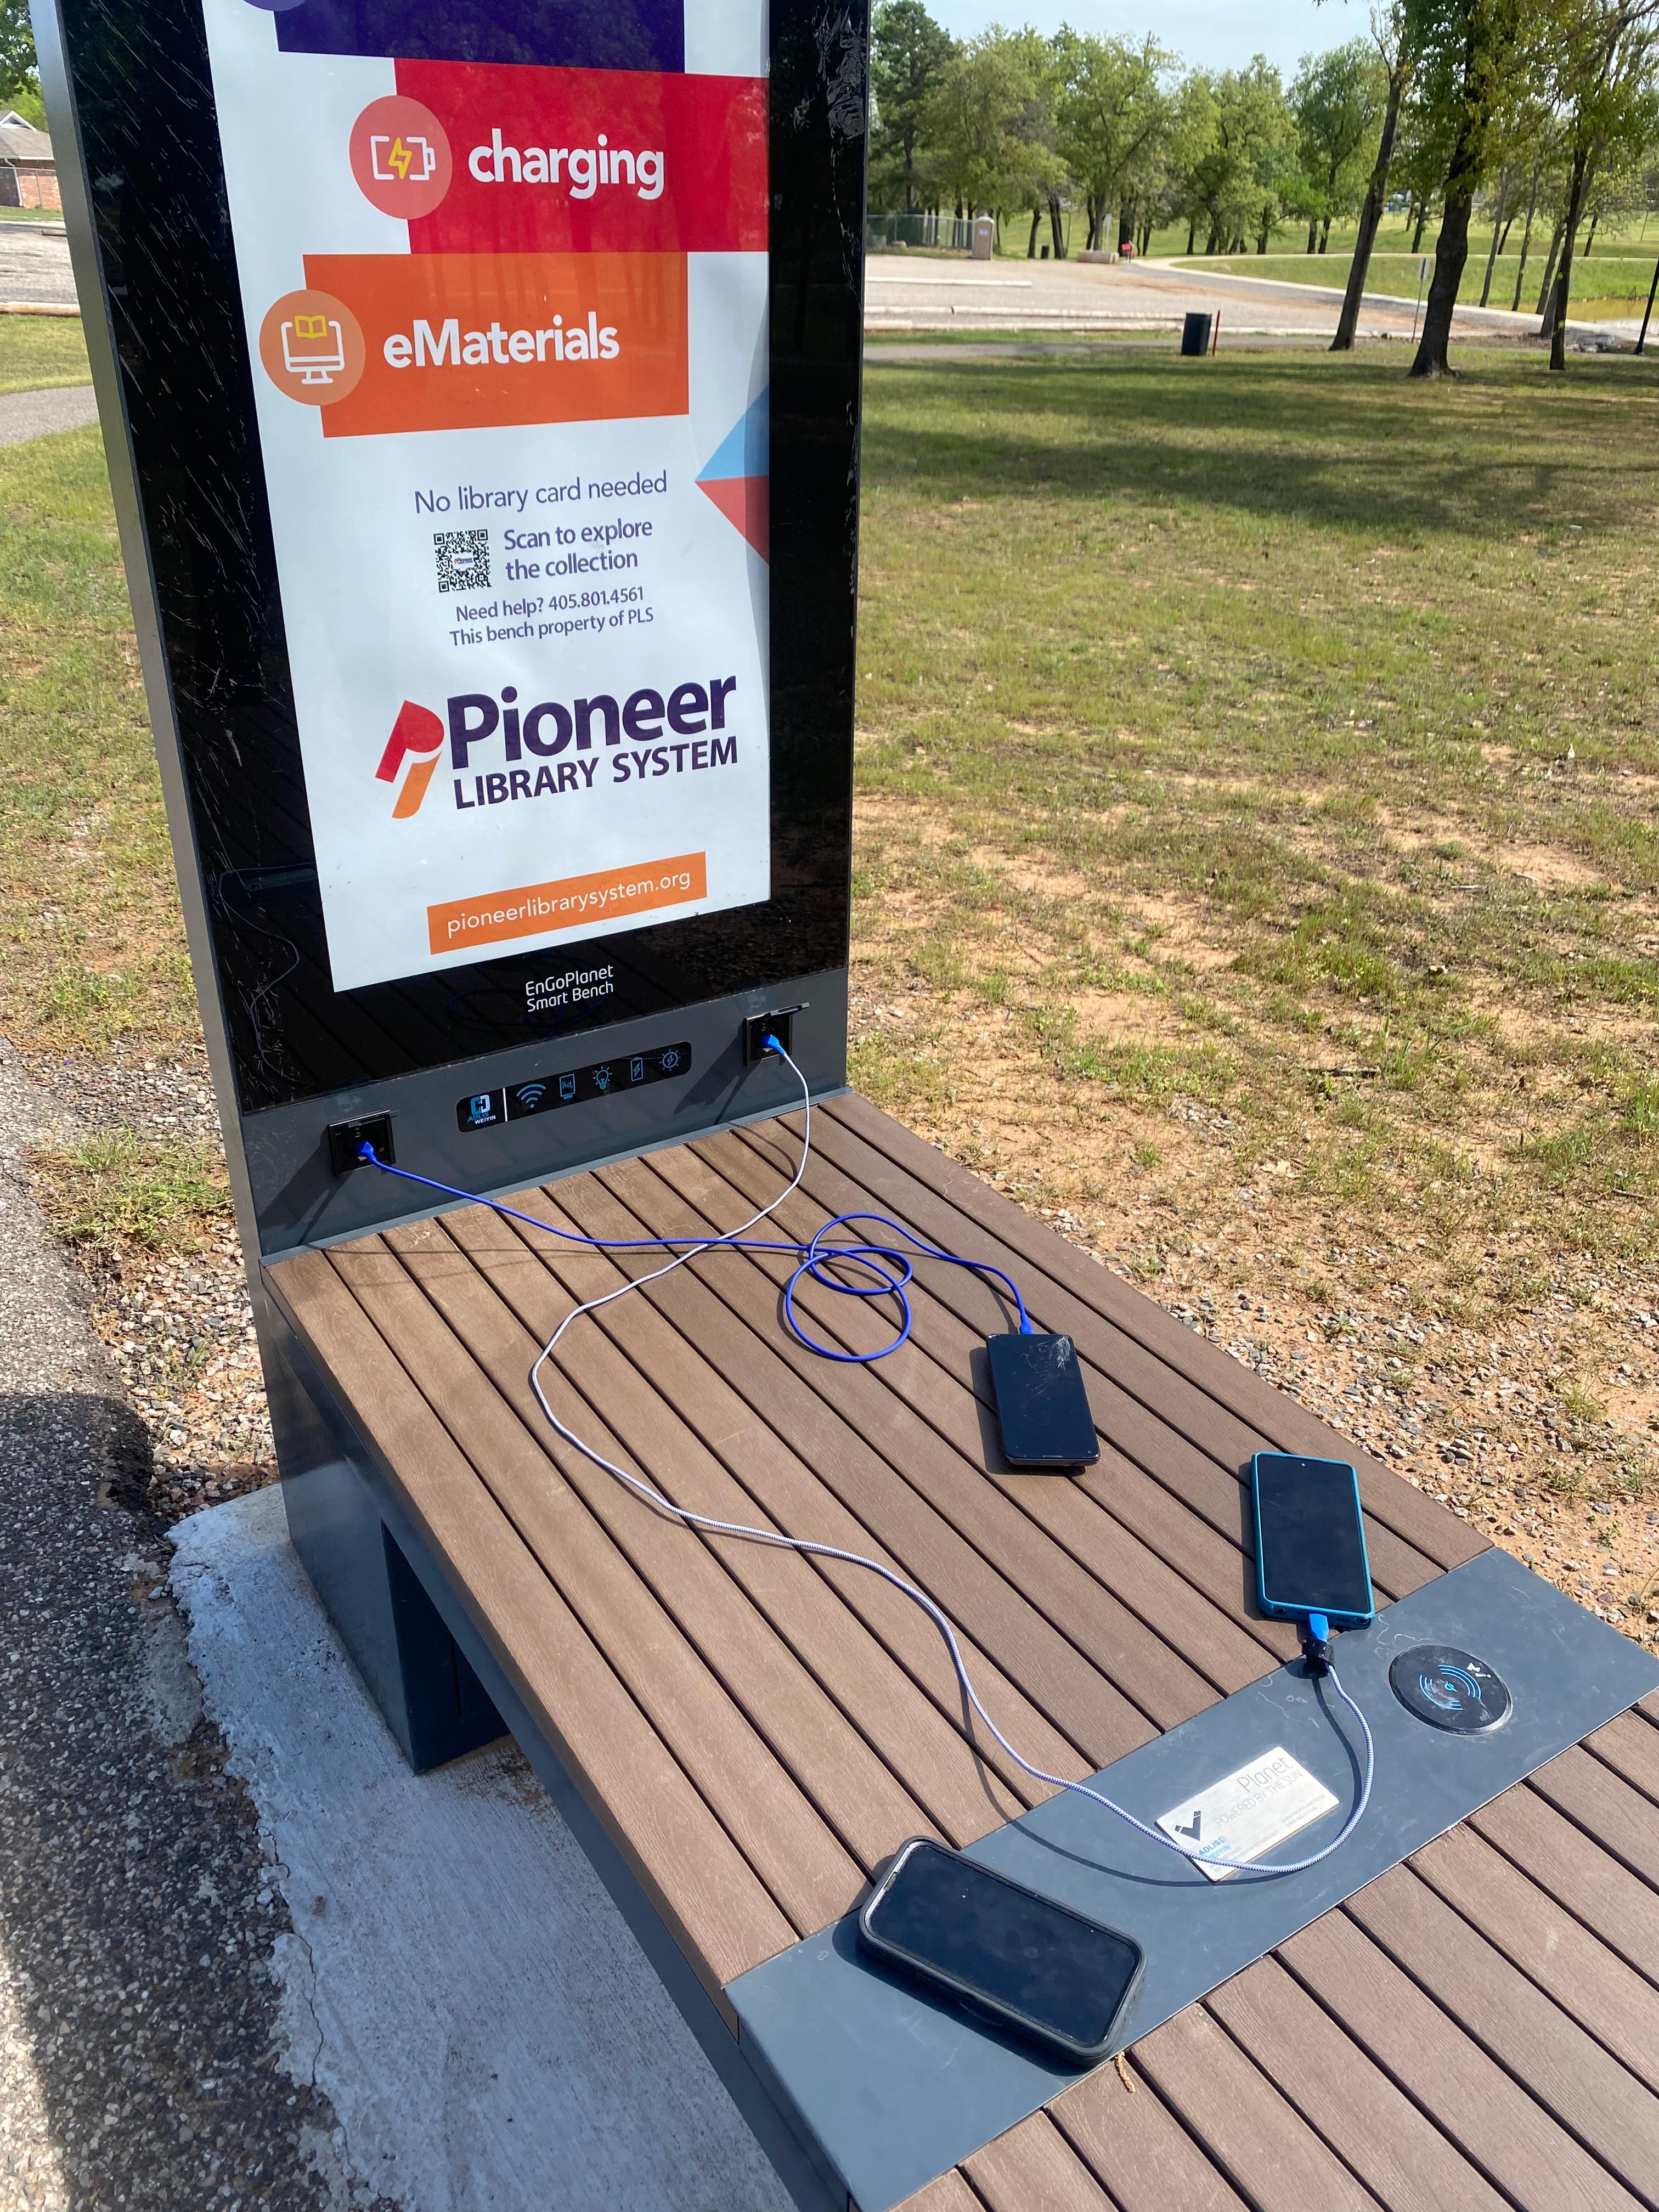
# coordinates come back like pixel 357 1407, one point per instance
pixel 1347 446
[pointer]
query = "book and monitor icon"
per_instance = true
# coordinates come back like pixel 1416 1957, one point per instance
pixel 314 348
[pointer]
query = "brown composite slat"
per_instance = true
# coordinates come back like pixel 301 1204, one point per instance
pixel 950 2193
pixel 942 1390
pixel 1603 1803
pixel 1606 1898
pixel 778 1434
pixel 1529 2035
pixel 1372 2124
pixel 784 1838
pixel 1280 1419
pixel 1181 1530
pixel 1616 2005
pixel 1136 2148
pixel 828 1763
pixel 952 1442
pixel 1630 1746
pixel 1251 2132
pixel 1096 1714
pixel 1034 2169
pixel 1495 2120
pixel 1108 1356
pixel 920 1746
pixel 708 1898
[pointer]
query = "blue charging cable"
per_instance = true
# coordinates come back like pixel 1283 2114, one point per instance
pixel 889 1266
pixel 892 1270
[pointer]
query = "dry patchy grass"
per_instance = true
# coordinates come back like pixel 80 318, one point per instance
pixel 1257 872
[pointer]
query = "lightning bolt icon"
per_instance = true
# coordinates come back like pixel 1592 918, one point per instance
pixel 398 159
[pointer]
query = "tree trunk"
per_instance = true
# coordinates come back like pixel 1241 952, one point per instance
pixel 1549 271
pixel 1056 227
pixel 1213 244
pixel 1192 235
pixel 1497 226
pixel 1581 168
pixel 1266 225
pixel 1590 243
pixel 1451 255
pixel 1526 237
pixel 1126 228
pixel 1313 231
pixel 1371 214
pixel 1030 250
pixel 1325 237
pixel 1422 225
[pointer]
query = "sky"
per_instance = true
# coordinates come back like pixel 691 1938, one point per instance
pixel 1207 33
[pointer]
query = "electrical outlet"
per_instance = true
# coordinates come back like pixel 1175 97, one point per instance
pixel 344 1137
pixel 780 1024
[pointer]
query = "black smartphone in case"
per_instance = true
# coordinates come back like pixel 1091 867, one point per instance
pixel 1033 1968
pixel 1310 1540
pixel 1042 1408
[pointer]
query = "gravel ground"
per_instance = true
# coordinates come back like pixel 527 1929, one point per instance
pixel 138 2058
pixel 177 1325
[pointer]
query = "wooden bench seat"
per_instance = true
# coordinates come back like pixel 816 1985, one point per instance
pixel 754 1731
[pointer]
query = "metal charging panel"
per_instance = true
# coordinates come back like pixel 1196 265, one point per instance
pixel 897 2088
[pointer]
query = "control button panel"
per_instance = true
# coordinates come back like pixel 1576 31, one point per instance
pixel 542 1094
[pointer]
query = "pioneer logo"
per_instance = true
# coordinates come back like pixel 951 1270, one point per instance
pixel 652 733
pixel 411 752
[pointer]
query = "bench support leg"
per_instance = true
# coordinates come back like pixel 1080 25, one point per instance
pixel 428 1692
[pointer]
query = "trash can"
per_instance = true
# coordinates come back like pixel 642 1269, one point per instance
pixel 1195 335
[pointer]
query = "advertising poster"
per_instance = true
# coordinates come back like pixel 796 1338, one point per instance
pixel 508 323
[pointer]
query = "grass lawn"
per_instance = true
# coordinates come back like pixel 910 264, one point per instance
pixel 1257 864
pixel 40 350
pixel 1257 870
pixel 91 944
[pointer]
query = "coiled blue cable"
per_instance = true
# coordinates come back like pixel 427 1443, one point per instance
pixel 890 1267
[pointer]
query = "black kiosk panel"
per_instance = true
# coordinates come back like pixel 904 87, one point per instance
pixel 490 381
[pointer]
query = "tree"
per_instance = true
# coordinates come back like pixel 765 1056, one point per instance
pixel 1337 99
pixel 1473 54
pixel 20 78
pixel 1112 116
pixel 909 56
pixel 1240 172
pixel 1601 67
pixel 1392 34
pixel 985 122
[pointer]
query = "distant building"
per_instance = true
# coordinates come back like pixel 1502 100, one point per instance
pixel 28 175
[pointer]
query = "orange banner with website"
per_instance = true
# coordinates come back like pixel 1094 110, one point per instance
pixel 573 902
pixel 457 340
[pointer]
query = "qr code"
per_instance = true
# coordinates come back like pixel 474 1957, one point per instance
pixel 463 559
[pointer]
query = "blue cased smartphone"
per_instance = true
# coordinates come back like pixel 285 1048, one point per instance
pixel 1310 1541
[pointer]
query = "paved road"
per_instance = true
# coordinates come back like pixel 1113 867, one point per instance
pixel 916 294
pixel 25 415
pixel 34 268
pixel 139 2024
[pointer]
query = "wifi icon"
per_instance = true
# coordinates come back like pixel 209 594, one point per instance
pixel 529 1096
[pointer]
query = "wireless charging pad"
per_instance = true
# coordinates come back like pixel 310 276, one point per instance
pixel 1450 1689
